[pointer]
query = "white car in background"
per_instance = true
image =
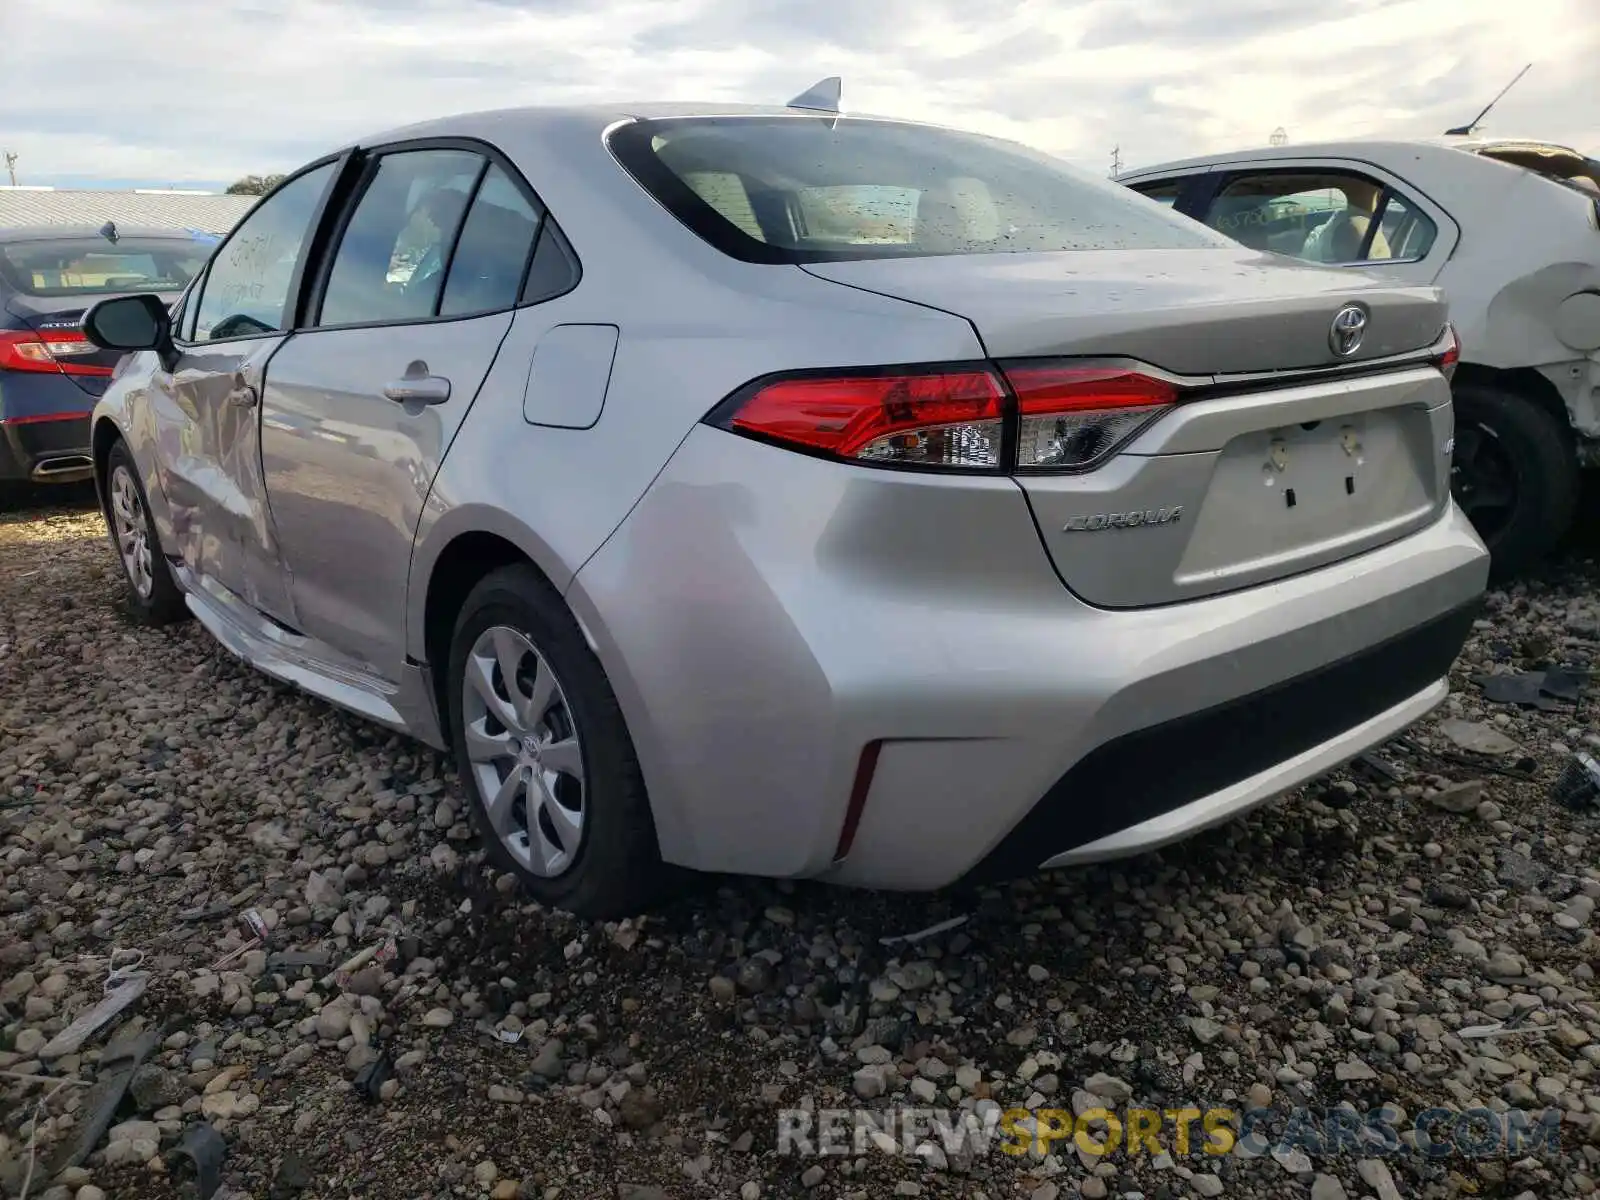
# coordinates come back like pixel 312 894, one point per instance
pixel 1511 231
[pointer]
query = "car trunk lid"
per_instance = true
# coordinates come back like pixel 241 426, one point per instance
pixel 1241 489
pixel 1191 312
pixel 1279 455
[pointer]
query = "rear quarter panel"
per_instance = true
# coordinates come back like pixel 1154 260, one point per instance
pixel 1527 245
pixel 1521 254
pixel 692 324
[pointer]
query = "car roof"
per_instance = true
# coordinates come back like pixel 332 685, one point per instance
pixel 553 119
pixel 41 233
pixel 1369 148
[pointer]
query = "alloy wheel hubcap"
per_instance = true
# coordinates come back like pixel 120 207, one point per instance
pixel 131 526
pixel 524 750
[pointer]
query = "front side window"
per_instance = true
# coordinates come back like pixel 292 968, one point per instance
pixel 391 260
pixel 1321 217
pixel 815 189
pixel 62 267
pixel 246 290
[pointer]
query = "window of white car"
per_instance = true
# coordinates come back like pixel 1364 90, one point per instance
pixel 1321 217
pixel 246 288
pixel 1165 193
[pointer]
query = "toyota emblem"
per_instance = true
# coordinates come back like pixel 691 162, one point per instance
pixel 1349 327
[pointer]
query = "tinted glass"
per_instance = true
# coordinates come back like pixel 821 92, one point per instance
pixel 554 269
pixel 1320 216
pixel 869 215
pixel 1404 235
pixel 493 251
pixel 183 318
pixel 1163 193
pixel 95 267
pixel 804 189
pixel 391 258
pixel 247 287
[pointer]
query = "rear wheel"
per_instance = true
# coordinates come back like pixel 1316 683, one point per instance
pixel 1514 474
pixel 544 755
pixel 153 597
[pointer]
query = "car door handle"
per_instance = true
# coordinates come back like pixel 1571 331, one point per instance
pixel 416 386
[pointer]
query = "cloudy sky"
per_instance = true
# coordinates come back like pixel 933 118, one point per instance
pixel 200 92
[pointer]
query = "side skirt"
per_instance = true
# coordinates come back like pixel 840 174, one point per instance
pixel 405 705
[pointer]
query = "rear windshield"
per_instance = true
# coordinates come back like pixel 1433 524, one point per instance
pixel 1553 162
pixel 95 266
pixel 815 189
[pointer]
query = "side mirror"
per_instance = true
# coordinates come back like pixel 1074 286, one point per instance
pixel 132 323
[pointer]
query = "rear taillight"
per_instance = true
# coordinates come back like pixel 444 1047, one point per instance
pixel 1450 352
pixel 1024 415
pixel 48 352
pixel 1073 417
pixel 952 418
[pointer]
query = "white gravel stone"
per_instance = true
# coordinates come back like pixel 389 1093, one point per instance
pixel 152 789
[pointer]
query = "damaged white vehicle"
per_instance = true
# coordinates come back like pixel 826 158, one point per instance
pixel 1511 231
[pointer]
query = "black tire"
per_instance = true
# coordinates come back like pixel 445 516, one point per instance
pixel 161 603
pixel 617 869
pixel 1515 475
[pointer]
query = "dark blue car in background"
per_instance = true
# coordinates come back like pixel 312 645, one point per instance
pixel 50 375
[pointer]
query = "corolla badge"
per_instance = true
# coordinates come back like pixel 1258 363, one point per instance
pixel 1095 522
pixel 1349 327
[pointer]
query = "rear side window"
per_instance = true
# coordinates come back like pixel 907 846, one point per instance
pixel 1404 233
pixel 817 189
pixel 60 267
pixel 492 253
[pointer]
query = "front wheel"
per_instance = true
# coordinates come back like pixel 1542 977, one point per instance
pixel 153 596
pixel 544 754
pixel 1514 474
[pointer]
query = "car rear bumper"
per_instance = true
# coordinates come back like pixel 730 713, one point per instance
pixel 44 428
pixel 877 678
pixel 1227 802
pixel 1184 775
pixel 51 449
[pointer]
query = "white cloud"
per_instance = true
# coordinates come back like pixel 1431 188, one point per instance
pixel 213 89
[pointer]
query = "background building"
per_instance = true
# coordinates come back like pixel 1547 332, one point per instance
pixel 212 212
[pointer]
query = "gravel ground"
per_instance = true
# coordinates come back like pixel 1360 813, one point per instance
pixel 1342 946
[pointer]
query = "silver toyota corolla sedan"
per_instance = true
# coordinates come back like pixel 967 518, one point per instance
pixel 767 491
